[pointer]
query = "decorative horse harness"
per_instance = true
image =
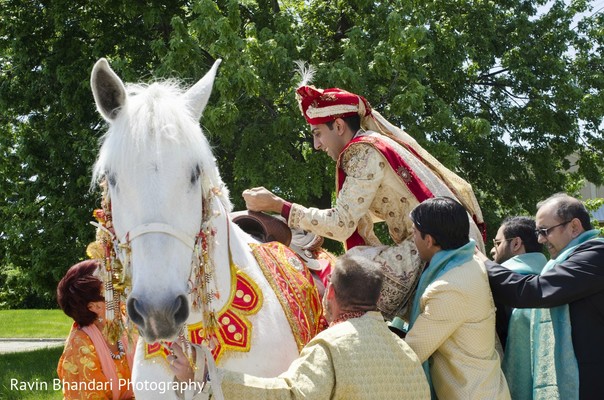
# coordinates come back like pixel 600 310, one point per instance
pixel 229 328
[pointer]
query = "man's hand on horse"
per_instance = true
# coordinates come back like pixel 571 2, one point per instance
pixel 262 199
pixel 180 364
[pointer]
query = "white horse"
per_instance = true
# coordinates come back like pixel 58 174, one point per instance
pixel 161 174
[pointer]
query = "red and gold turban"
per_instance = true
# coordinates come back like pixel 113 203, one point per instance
pixel 320 106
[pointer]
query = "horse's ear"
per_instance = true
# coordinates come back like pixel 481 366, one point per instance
pixel 198 95
pixel 108 90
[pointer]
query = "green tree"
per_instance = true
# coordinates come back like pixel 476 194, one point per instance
pixel 498 92
pixel 49 127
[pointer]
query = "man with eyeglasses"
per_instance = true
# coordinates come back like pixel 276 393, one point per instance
pixel 567 327
pixel 516 247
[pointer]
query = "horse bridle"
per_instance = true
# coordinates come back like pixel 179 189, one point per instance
pixel 198 244
pixel 158 227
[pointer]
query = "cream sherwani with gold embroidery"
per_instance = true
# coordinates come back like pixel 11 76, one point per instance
pixel 374 192
pixel 456 327
pixel 359 359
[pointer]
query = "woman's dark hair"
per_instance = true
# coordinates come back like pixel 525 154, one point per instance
pixel 445 220
pixel 79 287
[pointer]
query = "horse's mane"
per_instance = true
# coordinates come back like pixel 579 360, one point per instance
pixel 155 118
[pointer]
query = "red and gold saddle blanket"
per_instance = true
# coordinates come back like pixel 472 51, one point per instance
pixel 291 281
pixel 293 284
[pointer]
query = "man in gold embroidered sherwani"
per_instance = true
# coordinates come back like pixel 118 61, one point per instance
pixel 382 173
pixel 356 358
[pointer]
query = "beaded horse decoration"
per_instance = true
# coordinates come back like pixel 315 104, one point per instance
pixel 171 254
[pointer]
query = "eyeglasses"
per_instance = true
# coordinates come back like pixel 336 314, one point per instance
pixel 496 242
pixel 546 231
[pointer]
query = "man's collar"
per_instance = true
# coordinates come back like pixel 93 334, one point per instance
pixel 360 132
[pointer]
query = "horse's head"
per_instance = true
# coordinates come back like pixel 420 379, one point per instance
pixel 157 164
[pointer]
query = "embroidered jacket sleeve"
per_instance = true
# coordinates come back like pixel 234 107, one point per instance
pixel 79 363
pixel 581 275
pixel 364 167
pixel 311 376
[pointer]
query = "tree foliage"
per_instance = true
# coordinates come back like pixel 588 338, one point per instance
pixel 501 92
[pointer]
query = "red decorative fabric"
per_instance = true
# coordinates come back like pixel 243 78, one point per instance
pixel 286 209
pixel 293 284
pixel 398 165
pixel 482 226
pixel 327 261
pixel 231 330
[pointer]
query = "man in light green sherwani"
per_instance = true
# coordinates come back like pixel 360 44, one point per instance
pixel 356 358
pixel 452 320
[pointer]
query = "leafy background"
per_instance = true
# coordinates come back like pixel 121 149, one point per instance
pixel 501 92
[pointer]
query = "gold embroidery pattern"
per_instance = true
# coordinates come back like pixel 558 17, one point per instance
pixel 79 363
pixel 404 174
pixel 294 288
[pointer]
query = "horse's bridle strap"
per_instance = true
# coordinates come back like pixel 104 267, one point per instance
pixel 158 227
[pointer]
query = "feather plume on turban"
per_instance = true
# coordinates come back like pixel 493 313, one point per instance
pixel 319 106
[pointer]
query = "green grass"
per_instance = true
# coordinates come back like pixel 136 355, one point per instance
pixel 34 324
pixel 36 368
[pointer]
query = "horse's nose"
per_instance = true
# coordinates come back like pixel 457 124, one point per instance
pixel 136 312
pixel 158 321
pixel 181 310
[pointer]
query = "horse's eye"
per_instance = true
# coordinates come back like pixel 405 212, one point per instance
pixel 195 174
pixel 111 178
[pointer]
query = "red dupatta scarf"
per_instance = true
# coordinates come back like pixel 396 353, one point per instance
pixel 398 165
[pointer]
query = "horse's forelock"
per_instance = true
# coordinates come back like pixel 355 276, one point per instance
pixel 154 116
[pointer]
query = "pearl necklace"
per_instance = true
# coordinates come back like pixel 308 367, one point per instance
pixel 120 349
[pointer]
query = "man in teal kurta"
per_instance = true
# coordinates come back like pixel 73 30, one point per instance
pixel 516 247
pixel 568 297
